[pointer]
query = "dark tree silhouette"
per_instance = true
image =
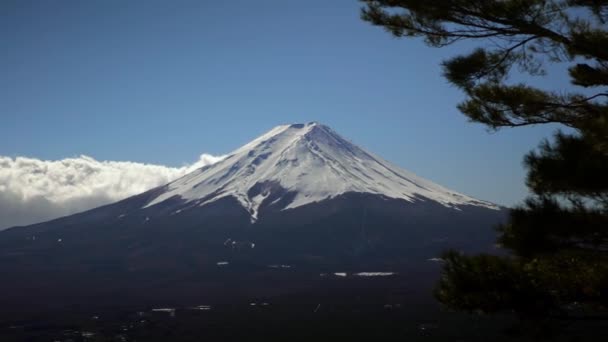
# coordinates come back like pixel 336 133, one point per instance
pixel 558 238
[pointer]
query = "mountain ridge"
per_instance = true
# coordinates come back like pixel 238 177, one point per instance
pixel 300 196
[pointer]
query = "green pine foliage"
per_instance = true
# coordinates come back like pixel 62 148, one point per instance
pixel 558 238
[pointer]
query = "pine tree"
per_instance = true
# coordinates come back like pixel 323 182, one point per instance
pixel 558 238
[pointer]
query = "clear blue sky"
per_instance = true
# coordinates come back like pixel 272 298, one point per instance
pixel 163 81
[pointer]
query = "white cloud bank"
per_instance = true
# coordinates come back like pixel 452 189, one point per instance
pixel 34 190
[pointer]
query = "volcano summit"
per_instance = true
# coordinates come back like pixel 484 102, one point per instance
pixel 295 165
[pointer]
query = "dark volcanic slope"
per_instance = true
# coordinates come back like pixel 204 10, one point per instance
pixel 151 257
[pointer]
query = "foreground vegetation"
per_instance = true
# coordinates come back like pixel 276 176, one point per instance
pixel 558 239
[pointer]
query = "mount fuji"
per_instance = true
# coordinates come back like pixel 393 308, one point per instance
pixel 299 198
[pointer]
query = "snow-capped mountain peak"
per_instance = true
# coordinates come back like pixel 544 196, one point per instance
pixel 311 163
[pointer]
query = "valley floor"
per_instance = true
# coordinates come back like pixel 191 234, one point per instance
pixel 346 313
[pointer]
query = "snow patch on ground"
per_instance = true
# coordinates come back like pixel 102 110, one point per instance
pixel 436 259
pixel 202 307
pixel 375 274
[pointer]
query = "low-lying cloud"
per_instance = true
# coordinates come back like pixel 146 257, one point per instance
pixel 34 190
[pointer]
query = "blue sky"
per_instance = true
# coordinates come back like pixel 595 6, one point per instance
pixel 164 81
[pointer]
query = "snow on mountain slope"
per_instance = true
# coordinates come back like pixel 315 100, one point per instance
pixel 312 162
